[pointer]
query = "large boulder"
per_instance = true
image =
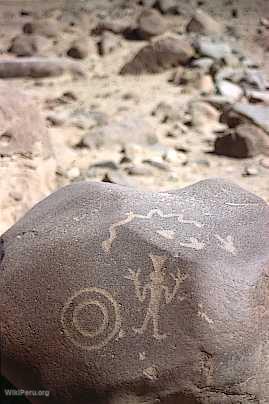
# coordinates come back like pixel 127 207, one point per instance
pixel 106 290
pixel 27 164
pixel 162 54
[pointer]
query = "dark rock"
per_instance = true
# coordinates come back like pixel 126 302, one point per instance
pixel 162 54
pixel 79 49
pixel 74 320
pixel 246 141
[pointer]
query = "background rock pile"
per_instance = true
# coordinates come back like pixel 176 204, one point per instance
pixel 151 94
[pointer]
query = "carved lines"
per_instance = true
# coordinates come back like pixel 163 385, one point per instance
pixel 107 244
pixel 82 335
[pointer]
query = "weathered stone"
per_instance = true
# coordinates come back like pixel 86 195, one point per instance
pixel 106 291
pixel 27 164
pixel 162 54
pixel 150 23
pixel 203 23
pixel 257 113
pixel 245 141
pixel 124 131
pixel 212 48
pixel 37 67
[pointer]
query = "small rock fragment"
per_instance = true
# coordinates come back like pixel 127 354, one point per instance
pixel 79 49
pixel 250 171
pixel 108 43
pixel 118 178
pixel 168 6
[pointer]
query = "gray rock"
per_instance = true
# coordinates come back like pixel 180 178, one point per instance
pixel 160 55
pixel 203 63
pixel 37 67
pixel 124 131
pixel 257 113
pixel 213 48
pixel 74 320
pixel 25 45
pixel 203 23
pixel 150 23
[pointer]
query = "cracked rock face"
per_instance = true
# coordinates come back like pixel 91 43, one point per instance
pixel 181 277
pixel 27 164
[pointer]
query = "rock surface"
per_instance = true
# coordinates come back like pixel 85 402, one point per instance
pixel 36 67
pixel 188 292
pixel 27 165
pixel 245 141
pixel 162 54
pixel 202 23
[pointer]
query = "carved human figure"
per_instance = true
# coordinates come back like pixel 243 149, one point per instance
pixel 157 290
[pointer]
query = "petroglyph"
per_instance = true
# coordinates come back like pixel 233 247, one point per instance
pixel 151 373
pixel 142 356
pixel 107 244
pixel 88 335
pixel 156 289
pixel 203 315
pixel 194 244
pixel 227 244
pixel 168 234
